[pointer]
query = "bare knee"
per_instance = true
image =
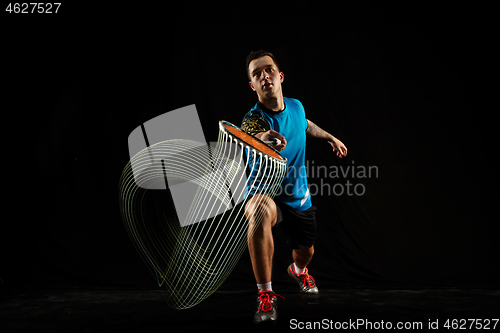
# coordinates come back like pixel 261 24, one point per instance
pixel 261 212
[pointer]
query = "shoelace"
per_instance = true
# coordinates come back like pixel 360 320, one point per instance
pixel 308 279
pixel 265 301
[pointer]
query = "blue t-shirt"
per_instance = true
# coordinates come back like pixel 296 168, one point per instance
pixel 292 124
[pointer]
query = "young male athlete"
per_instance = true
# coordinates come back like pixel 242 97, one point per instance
pixel 275 116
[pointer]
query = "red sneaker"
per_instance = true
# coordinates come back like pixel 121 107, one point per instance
pixel 267 307
pixel 305 281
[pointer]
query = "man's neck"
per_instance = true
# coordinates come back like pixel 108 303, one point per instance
pixel 274 104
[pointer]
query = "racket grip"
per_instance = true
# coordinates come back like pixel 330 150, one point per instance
pixel 274 142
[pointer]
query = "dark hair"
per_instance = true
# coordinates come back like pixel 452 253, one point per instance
pixel 259 54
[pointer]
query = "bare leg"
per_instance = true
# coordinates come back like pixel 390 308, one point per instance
pixel 260 237
pixel 302 257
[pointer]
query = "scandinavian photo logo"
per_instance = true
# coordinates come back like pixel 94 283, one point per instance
pixel 332 180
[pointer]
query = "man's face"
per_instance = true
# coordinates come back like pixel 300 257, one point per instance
pixel 265 79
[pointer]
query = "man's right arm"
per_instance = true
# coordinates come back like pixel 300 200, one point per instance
pixel 255 125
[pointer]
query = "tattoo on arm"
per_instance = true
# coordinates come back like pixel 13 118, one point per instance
pixel 315 131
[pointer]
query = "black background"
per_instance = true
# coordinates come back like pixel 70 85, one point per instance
pixel 402 86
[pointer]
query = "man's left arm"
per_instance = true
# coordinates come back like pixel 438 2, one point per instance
pixel 316 132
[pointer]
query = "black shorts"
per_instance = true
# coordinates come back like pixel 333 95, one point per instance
pixel 299 227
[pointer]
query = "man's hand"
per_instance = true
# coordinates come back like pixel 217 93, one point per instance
pixel 338 147
pixel 269 135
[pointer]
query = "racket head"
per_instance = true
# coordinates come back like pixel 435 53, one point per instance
pixel 250 140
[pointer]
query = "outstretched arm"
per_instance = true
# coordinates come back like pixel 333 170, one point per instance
pixel 316 132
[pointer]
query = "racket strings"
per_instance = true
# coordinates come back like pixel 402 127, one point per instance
pixel 192 256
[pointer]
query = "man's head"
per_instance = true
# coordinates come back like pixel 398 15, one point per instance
pixel 263 73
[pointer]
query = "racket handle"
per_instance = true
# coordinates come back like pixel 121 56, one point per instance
pixel 274 142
